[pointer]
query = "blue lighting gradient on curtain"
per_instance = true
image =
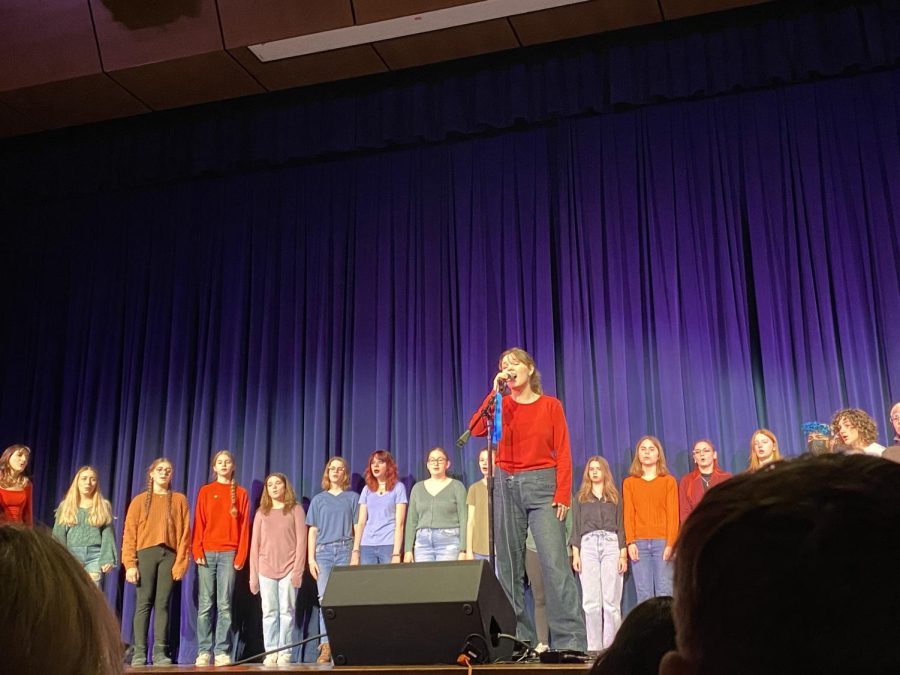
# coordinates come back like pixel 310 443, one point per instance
pixel 693 269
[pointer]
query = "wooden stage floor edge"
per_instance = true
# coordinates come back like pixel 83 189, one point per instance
pixel 487 669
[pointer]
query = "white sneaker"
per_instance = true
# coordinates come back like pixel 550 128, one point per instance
pixel 223 660
pixel 271 660
pixel 541 648
pixel 202 659
pixel 284 658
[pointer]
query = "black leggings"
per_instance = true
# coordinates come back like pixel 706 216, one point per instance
pixel 153 591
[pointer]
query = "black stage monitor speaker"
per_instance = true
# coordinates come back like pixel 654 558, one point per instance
pixel 416 614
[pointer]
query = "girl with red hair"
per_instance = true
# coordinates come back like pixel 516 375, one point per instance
pixel 382 513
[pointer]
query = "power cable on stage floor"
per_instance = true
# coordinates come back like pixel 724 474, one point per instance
pixel 273 651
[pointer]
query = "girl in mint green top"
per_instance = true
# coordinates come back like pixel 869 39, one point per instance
pixel 84 524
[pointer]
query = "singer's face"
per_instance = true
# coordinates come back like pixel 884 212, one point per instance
pixel 520 373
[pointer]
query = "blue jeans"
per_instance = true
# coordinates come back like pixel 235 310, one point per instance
pixel 329 556
pixel 376 555
pixel 216 583
pixel 433 543
pixel 278 602
pixel 523 500
pixel 89 557
pixel 652 576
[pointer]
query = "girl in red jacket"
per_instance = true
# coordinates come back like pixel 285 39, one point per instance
pixel 220 547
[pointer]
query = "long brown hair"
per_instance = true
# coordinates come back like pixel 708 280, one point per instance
pixel 6 475
pixel 390 474
pixel 290 497
pixel 99 514
pixel 234 510
pixel 636 469
pixel 610 493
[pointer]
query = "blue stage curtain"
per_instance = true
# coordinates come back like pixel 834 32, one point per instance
pixel 690 269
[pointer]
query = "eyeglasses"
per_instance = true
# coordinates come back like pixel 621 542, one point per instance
pixel 437 460
pixel 895 418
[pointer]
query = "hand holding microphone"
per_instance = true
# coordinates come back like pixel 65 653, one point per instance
pixel 502 379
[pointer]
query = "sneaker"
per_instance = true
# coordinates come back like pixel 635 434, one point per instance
pixel 541 648
pixel 202 659
pixel 284 658
pixel 223 660
pixel 270 660
pixel 138 660
pixel 162 660
pixel 324 653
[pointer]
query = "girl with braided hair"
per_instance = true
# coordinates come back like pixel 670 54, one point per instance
pixel 220 547
pixel 155 550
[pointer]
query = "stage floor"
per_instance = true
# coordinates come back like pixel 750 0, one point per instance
pixel 490 669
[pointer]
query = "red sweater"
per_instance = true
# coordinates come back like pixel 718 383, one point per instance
pixel 215 529
pixel 690 489
pixel 15 505
pixel 535 436
pixel 651 509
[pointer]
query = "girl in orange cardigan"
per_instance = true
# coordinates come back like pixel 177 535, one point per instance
pixel 220 548
pixel 155 550
pixel 650 499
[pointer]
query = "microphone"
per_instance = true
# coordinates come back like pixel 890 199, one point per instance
pixel 462 440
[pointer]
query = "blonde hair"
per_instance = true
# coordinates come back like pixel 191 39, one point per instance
pixel 636 469
pixel 7 480
pixel 610 493
pixel 776 453
pixel 344 484
pixel 54 618
pixel 522 356
pixel 100 512
pixel 290 497
pixel 234 509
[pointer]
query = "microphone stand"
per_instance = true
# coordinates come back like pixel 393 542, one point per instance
pixel 488 414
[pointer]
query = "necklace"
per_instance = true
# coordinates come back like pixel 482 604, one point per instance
pixel 705 480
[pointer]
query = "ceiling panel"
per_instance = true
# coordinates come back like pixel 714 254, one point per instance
pixel 676 9
pixel 249 23
pixel 445 45
pixel 188 81
pixel 368 11
pixel 138 33
pixel 339 64
pixel 71 102
pixel 587 18
pixel 44 42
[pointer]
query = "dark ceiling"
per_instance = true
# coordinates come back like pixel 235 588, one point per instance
pixel 70 62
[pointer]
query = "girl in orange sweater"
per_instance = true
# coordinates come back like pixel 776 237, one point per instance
pixel 155 549
pixel 220 548
pixel 650 499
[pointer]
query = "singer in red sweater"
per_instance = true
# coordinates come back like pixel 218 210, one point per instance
pixel 533 489
pixel 220 546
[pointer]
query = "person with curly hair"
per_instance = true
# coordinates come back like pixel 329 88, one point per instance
pixel 857 431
